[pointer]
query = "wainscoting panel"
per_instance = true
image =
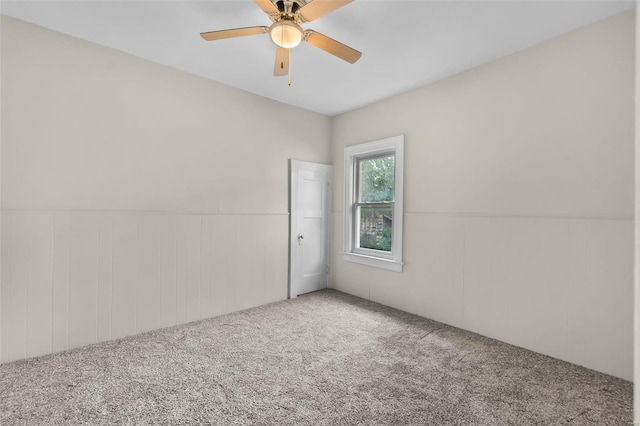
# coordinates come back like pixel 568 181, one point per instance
pixel 206 278
pixel 561 286
pixel 277 259
pixel 181 269
pixel 148 314
pixel 125 275
pixel 486 276
pixel 4 305
pixel 193 258
pixel 71 279
pixel 168 271
pixel 249 288
pixel 443 269
pixel 83 281
pixel 609 295
pixel 105 277
pixel 15 289
pixel 223 250
pixel 38 253
pixel 60 302
pixel 539 290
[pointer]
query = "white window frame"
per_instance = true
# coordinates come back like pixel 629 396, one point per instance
pixel 351 253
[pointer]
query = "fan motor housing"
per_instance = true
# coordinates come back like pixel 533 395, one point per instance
pixel 295 5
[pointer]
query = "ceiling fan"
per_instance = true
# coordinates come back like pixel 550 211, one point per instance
pixel 287 33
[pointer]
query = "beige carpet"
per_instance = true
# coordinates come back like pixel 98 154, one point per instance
pixel 323 359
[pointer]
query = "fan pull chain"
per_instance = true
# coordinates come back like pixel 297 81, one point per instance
pixel 289 52
pixel 289 71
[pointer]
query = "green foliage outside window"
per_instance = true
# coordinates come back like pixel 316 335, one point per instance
pixel 377 179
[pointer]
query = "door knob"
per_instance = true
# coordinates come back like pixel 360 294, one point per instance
pixel 300 238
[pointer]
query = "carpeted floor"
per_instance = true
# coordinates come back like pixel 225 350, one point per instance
pixel 322 359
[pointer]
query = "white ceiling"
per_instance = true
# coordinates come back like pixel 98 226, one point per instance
pixel 405 44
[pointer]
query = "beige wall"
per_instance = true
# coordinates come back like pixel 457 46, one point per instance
pixel 135 196
pixel 90 128
pixel 518 198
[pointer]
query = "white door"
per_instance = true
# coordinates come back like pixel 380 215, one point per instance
pixel 309 241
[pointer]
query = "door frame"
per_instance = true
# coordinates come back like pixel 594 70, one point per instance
pixel 294 166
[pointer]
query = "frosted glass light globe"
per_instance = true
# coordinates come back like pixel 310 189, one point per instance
pixel 286 34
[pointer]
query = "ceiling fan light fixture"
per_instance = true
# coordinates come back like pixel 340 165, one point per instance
pixel 286 34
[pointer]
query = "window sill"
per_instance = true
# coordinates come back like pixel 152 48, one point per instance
pixel 388 264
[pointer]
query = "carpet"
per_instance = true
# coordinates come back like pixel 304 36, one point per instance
pixel 325 358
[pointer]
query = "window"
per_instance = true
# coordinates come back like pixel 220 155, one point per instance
pixel 373 175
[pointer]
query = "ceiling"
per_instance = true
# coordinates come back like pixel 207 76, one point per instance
pixel 405 44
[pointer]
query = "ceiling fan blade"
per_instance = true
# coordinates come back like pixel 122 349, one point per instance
pixel 318 8
pixel 329 45
pixel 235 32
pixel 267 6
pixel 281 66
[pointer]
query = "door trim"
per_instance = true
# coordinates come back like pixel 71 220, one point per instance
pixel 294 166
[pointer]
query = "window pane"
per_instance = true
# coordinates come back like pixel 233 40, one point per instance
pixel 377 179
pixel 375 227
